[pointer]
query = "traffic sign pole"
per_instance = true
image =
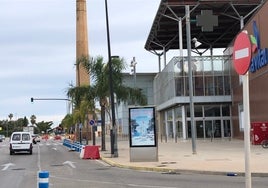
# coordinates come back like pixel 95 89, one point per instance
pixel 242 60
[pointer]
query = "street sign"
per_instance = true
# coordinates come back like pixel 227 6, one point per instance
pixel 91 122
pixel 242 53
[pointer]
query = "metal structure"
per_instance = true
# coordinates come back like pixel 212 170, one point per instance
pixel 164 34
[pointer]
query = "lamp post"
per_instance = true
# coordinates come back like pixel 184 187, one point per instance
pixel 188 34
pixel 114 150
pixel 133 70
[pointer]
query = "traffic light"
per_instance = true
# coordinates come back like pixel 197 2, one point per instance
pixel 32 99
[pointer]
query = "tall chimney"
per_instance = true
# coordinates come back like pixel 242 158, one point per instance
pixel 82 77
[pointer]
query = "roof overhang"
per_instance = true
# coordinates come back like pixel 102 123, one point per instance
pixel 164 34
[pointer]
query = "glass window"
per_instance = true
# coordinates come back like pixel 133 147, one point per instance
pixel 179 86
pixel 207 67
pixel 212 111
pixel 169 115
pixel 226 110
pixel 25 137
pixel 218 85
pixel 217 65
pixel 16 137
pixel 209 85
pixel 227 89
pixel 198 112
pixel 178 112
pixel 199 86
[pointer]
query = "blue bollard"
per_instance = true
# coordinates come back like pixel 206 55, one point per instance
pixel 43 179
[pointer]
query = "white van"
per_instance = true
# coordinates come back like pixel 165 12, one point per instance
pixel 21 141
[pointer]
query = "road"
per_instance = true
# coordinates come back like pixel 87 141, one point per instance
pixel 67 170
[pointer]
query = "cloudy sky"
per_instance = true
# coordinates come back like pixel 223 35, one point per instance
pixel 37 49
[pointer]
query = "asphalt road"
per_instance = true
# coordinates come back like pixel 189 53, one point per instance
pixel 67 170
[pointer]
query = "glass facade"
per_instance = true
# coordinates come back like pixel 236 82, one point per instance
pixel 211 87
pixel 209 76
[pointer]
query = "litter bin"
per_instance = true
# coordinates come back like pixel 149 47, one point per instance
pixel 259 132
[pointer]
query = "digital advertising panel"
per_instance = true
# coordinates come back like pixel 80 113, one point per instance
pixel 142 127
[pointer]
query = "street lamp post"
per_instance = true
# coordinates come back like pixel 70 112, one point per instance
pixel 114 150
pixel 133 71
pixel 188 34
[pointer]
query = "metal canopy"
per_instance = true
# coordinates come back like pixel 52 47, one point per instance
pixel 164 34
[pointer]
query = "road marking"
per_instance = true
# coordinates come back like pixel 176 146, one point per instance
pixel 103 163
pixel 6 166
pixel 70 163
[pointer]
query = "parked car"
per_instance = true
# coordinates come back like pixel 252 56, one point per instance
pixel 2 137
pixel 21 141
pixel 36 138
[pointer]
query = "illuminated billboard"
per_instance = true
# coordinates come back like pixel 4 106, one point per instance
pixel 142 129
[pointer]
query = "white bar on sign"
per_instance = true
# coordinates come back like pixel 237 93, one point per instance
pixel 241 53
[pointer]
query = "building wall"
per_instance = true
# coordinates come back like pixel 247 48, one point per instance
pixel 258 81
pixel 144 81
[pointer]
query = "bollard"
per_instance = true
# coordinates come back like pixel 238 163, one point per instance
pixel 43 179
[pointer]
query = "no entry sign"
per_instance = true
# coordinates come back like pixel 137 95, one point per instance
pixel 242 53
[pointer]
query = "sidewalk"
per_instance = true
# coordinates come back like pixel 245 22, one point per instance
pixel 216 157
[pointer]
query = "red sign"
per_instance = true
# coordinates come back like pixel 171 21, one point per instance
pixel 242 53
pixel 259 132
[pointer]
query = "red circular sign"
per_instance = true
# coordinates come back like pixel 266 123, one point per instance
pixel 242 53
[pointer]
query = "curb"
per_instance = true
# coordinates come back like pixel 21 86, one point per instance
pixel 178 171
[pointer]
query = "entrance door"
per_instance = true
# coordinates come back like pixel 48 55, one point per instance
pixel 227 128
pixel 179 129
pixel 199 129
pixel 213 129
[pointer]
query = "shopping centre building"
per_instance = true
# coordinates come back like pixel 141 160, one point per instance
pixel 214 105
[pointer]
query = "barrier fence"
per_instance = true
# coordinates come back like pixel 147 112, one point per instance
pixel 73 145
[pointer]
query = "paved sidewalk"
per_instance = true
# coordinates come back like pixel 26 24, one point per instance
pixel 216 157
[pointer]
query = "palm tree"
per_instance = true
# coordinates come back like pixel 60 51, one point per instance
pixel 33 119
pixel 10 116
pixel 99 73
pixel 83 101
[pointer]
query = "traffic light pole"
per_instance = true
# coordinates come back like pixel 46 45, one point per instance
pixel 54 99
pixel 48 99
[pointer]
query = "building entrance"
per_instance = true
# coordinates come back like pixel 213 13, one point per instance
pixel 209 129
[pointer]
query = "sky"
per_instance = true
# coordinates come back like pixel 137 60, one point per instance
pixel 38 49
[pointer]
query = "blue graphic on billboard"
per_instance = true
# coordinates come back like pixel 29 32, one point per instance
pixel 142 126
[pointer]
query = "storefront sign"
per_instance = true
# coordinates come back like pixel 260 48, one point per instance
pixel 261 57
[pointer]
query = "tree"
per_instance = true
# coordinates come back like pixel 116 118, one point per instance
pixel 84 104
pixel 99 74
pixel 42 127
pixel 68 122
pixel 33 119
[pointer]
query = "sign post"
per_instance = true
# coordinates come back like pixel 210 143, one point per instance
pixel 242 60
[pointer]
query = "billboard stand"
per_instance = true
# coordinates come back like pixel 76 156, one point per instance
pixel 142 134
